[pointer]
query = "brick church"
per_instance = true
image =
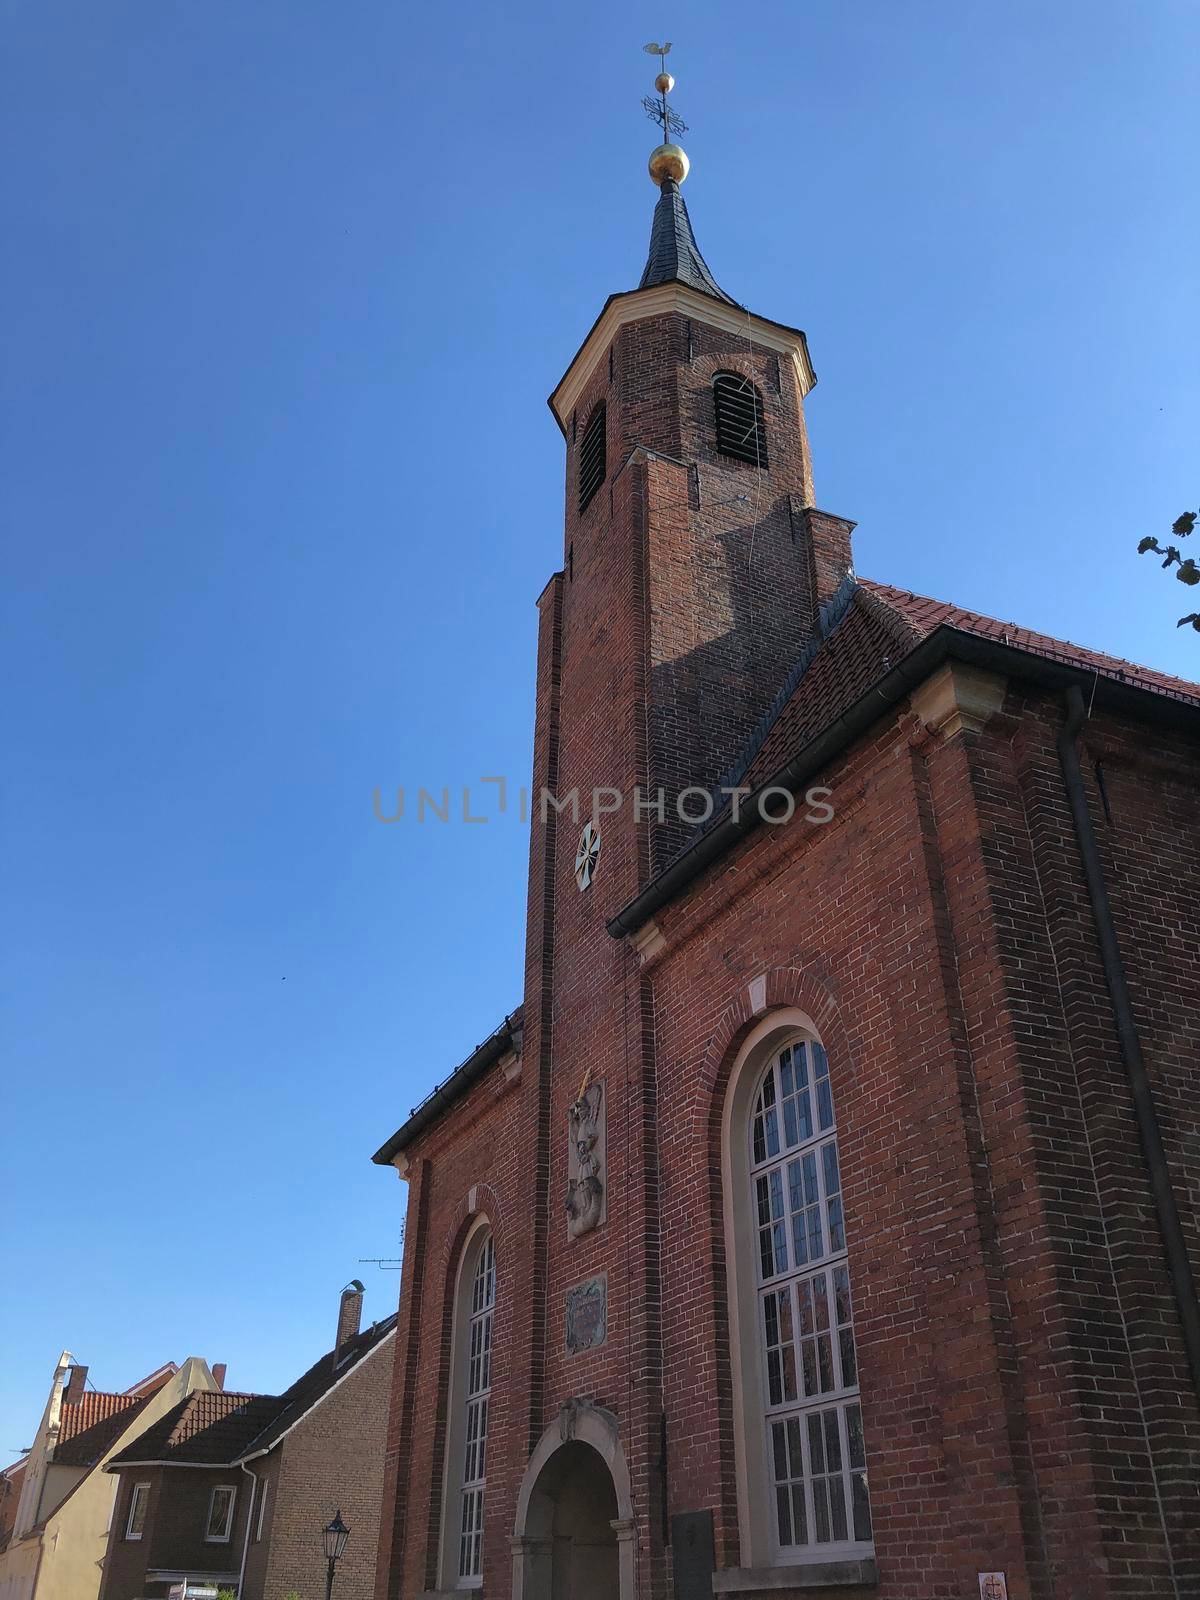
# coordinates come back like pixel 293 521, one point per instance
pixel 825 1218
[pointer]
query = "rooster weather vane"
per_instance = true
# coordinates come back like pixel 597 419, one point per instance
pixel 656 107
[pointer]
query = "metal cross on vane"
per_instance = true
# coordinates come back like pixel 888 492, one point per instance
pixel 657 109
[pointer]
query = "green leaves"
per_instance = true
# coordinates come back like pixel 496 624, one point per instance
pixel 1188 572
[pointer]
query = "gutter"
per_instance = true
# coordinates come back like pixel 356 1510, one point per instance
pixel 250 1509
pixel 1179 1267
pixel 505 1039
pixel 945 643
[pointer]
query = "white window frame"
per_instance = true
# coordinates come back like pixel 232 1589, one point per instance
pixel 262 1506
pixel 140 1496
pixel 802 1259
pixel 220 1538
pixel 477 1391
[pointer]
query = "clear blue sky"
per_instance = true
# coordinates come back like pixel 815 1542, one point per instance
pixel 286 286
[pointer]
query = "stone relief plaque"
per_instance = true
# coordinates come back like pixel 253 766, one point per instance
pixel 587 1314
pixel 586 1160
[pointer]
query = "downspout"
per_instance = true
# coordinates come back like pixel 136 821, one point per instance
pixel 253 1476
pixel 1179 1267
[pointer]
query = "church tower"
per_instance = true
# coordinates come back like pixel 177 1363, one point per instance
pixel 697 572
pixel 690 514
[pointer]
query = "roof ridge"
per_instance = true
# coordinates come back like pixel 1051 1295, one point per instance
pixel 869 598
pixel 369 1338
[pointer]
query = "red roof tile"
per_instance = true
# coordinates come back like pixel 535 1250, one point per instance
pixel 92 1424
pixel 880 625
pixel 925 615
pixel 208 1428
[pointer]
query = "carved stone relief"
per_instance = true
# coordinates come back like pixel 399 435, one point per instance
pixel 586 1171
pixel 587 1314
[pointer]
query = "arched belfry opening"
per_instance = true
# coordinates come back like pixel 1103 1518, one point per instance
pixel 575 1536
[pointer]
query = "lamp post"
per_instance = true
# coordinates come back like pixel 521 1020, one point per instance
pixel 334 1540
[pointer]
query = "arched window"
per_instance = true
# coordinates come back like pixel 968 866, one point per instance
pixel 479 1389
pixel 798 1436
pixel 741 432
pixel 593 456
pixel 461 1559
pixel 813 1426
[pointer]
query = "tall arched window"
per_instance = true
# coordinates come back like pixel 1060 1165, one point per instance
pixel 813 1434
pixel 741 431
pixel 465 1468
pixel 479 1389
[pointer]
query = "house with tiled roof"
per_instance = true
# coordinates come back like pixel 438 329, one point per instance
pixel 827 1217
pixel 58 1502
pixel 231 1490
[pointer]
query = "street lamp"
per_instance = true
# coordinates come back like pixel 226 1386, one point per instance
pixel 334 1539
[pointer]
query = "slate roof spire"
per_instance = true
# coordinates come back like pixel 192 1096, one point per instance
pixel 674 254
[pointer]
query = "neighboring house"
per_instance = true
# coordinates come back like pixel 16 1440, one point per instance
pixel 11 1480
pixel 820 1221
pixel 233 1490
pixel 63 1499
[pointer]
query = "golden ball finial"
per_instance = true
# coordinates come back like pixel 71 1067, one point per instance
pixel 668 161
pixel 664 83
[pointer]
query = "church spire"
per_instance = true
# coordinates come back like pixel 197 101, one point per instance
pixel 674 254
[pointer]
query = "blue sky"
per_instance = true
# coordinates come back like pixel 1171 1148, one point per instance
pixel 286 288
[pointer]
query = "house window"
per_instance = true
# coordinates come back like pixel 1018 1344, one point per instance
pixel 593 464
pixel 262 1507
pixel 741 432
pixel 477 1393
pixel 220 1514
pixel 135 1523
pixel 816 1474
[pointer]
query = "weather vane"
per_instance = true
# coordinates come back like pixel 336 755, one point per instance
pixel 657 109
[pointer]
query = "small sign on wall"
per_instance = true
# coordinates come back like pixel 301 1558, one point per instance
pixel 993 1586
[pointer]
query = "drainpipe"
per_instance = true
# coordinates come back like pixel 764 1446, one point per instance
pixel 253 1476
pixel 1179 1267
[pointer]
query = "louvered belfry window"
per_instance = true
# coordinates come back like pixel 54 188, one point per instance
pixel 741 432
pixel 593 462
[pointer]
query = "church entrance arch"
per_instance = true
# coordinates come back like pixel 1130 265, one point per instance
pixel 574 1538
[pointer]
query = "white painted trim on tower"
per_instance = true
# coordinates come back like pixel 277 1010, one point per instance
pixel 659 301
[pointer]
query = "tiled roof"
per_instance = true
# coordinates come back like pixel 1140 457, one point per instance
pixel 874 632
pixel 208 1428
pixel 90 1426
pixel 924 615
pixel 317 1381
pixel 674 254
pixel 214 1428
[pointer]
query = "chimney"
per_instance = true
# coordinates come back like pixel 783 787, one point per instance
pixel 76 1384
pixel 349 1316
pixel 218 1372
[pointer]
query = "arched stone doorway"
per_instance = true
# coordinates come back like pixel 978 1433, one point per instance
pixel 575 1537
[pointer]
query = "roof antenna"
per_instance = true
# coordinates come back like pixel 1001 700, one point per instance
pixel 386 1263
